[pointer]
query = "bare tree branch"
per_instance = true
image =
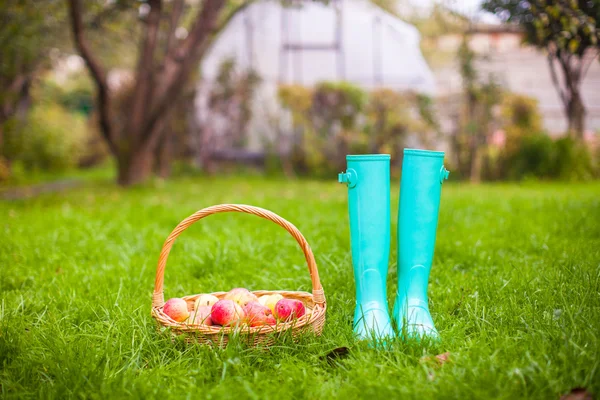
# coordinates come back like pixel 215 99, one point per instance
pixel 106 12
pixel 203 25
pixel 12 91
pixel 555 80
pixel 183 58
pixel 173 21
pixel 97 72
pixel 571 80
pixel 142 92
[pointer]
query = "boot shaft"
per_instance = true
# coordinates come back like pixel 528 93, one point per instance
pixel 420 191
pixel 368 180
pixel 369 211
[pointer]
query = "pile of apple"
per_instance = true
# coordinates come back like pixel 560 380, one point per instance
pixel 239 306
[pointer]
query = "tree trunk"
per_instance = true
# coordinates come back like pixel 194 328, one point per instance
pixel 1 138
pixel 473 129
pixel 135 166
pixel 24 100
pixel 164 155
pixel 207 148
pixel 454 142
pixel 476 162
pixel 576 116
pixel 158 84
pixel 5 172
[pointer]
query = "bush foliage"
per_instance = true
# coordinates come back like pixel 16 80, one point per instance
pixel 530 153
pixel 335 119
pixel 50 139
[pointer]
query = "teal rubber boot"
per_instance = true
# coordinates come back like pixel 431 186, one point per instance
pixel 368 180
pixel 423 173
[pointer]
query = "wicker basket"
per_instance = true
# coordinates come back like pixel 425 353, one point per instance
pixel 312 321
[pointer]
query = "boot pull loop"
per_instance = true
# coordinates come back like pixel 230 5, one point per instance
pixel 350 177
pixel 444 174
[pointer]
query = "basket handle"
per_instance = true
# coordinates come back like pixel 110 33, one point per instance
pixel 158 299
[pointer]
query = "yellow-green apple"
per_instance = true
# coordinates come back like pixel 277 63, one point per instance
pixel 288 309
pixel 227 312
pixel 258 315
pixel 241 296
pixel 176 309
pixel 269 300
pixel 205 300
pixel 263 299
pixel 201 316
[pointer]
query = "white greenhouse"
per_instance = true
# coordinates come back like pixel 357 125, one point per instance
pixel 311 42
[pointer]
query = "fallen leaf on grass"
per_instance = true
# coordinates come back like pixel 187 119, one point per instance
pixel 335 354
pixel 443 358
pixel 435 362
pixel 440 359
pixel 577 394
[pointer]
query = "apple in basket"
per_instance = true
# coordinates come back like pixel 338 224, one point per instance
pixel 241 296
pixel 258 315
pixel 201 316
pixel 269 300
pixel 289 309
pixel 205 300
pixel 176 309
pixel 227 312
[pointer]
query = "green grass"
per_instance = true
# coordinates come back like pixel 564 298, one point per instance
pixel 515 293
pixel 22 178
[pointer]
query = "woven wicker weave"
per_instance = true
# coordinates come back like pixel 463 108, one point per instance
pixel 313 320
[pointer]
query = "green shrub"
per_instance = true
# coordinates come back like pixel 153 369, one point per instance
pixel 75 95
pixel 521 111
pixel 337 102
pixel 573 160
pixel 4 169
pixel 51 139
pixel 388 122
pixel 10 146
pixel 529 152
pixel 538 156
pixel 334 119
pixel 297 99
pixel 326 125
pixel 94 150
pixel 521 118
pixel 535 157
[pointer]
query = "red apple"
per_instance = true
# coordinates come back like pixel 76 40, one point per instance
pixel 201 316
pixel 241 296
pixel 288 309
pixel 226 313
pixel 176 309
pixel 258 315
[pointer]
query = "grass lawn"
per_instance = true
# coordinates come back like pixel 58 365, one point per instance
pixel 515 293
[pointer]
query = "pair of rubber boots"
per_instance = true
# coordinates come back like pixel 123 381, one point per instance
pixel 368 181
